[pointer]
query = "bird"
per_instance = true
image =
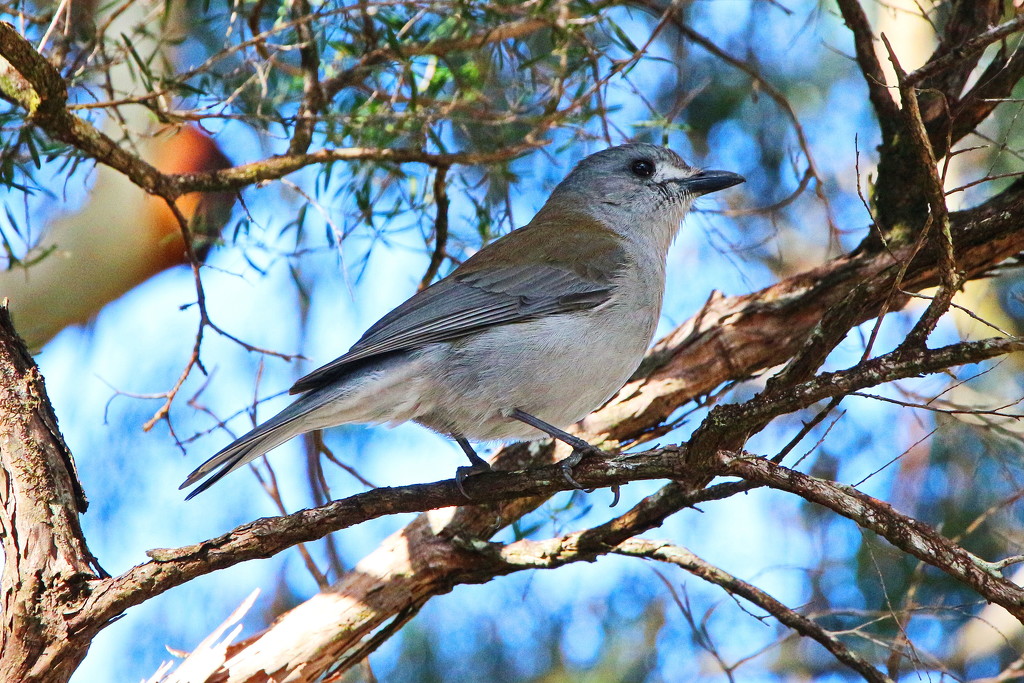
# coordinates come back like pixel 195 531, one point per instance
pixel 524 338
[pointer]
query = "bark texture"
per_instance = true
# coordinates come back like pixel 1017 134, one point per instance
pixel 47 565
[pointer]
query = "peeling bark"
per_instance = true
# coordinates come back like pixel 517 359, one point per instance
pixel 47 565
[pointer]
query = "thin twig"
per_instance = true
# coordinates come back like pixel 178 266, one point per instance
pixel 906 533
pixel 440 226
pixel 679 556
pixel 938 218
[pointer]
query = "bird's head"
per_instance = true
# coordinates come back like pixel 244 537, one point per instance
pixel 637 187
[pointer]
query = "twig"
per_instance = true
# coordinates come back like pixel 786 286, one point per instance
pixel 765 86
pixel 938 218
pixel 313 98
pixel 440 226
pixel 906 533
pixel 57 14
pixel 666 552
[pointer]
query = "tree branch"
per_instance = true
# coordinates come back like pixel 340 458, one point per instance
pixel 906 533
pixel 278 166
pixel 270 535
pixel 863 42
pixel 695 462
pixel 666 552
pixel 966 20
pixel 495 559
pixel 313 99
pixel 736 337
pixel 994 85
pixel 938 218
pixel 39 89
pixel 966 50
pixel 440 226
pixel 730 338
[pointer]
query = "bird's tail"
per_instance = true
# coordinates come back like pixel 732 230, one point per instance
pixel 367 393
pixel 269 435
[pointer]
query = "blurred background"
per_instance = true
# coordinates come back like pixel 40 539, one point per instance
pixel 304 265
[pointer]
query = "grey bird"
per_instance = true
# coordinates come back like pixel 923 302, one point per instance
pixel 527 336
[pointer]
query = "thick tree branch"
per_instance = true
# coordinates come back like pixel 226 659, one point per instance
pixel 966 21
pixel 268 536
pixel 442 548
pixel 729 426
pixel 901 200
pixel 738 336
pixel 938 217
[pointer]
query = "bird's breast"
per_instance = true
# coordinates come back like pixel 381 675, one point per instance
pixel 558 368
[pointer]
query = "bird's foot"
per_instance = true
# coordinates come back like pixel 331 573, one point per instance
pixel 574 459
pixel 461 473
pixel 580 450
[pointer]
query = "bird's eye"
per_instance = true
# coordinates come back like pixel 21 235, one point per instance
pixel 642 168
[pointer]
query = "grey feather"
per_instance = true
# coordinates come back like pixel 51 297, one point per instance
pixel 257 442
pixel 463 304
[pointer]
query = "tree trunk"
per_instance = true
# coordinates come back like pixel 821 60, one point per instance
pixel 47 566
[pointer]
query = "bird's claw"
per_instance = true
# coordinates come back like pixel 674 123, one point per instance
pixel 616 490
pixel 461 473
pixel 574 459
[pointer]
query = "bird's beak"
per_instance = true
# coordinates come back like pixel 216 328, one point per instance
pixel 710 181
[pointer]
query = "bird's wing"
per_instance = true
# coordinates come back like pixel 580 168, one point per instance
pixel 481 294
